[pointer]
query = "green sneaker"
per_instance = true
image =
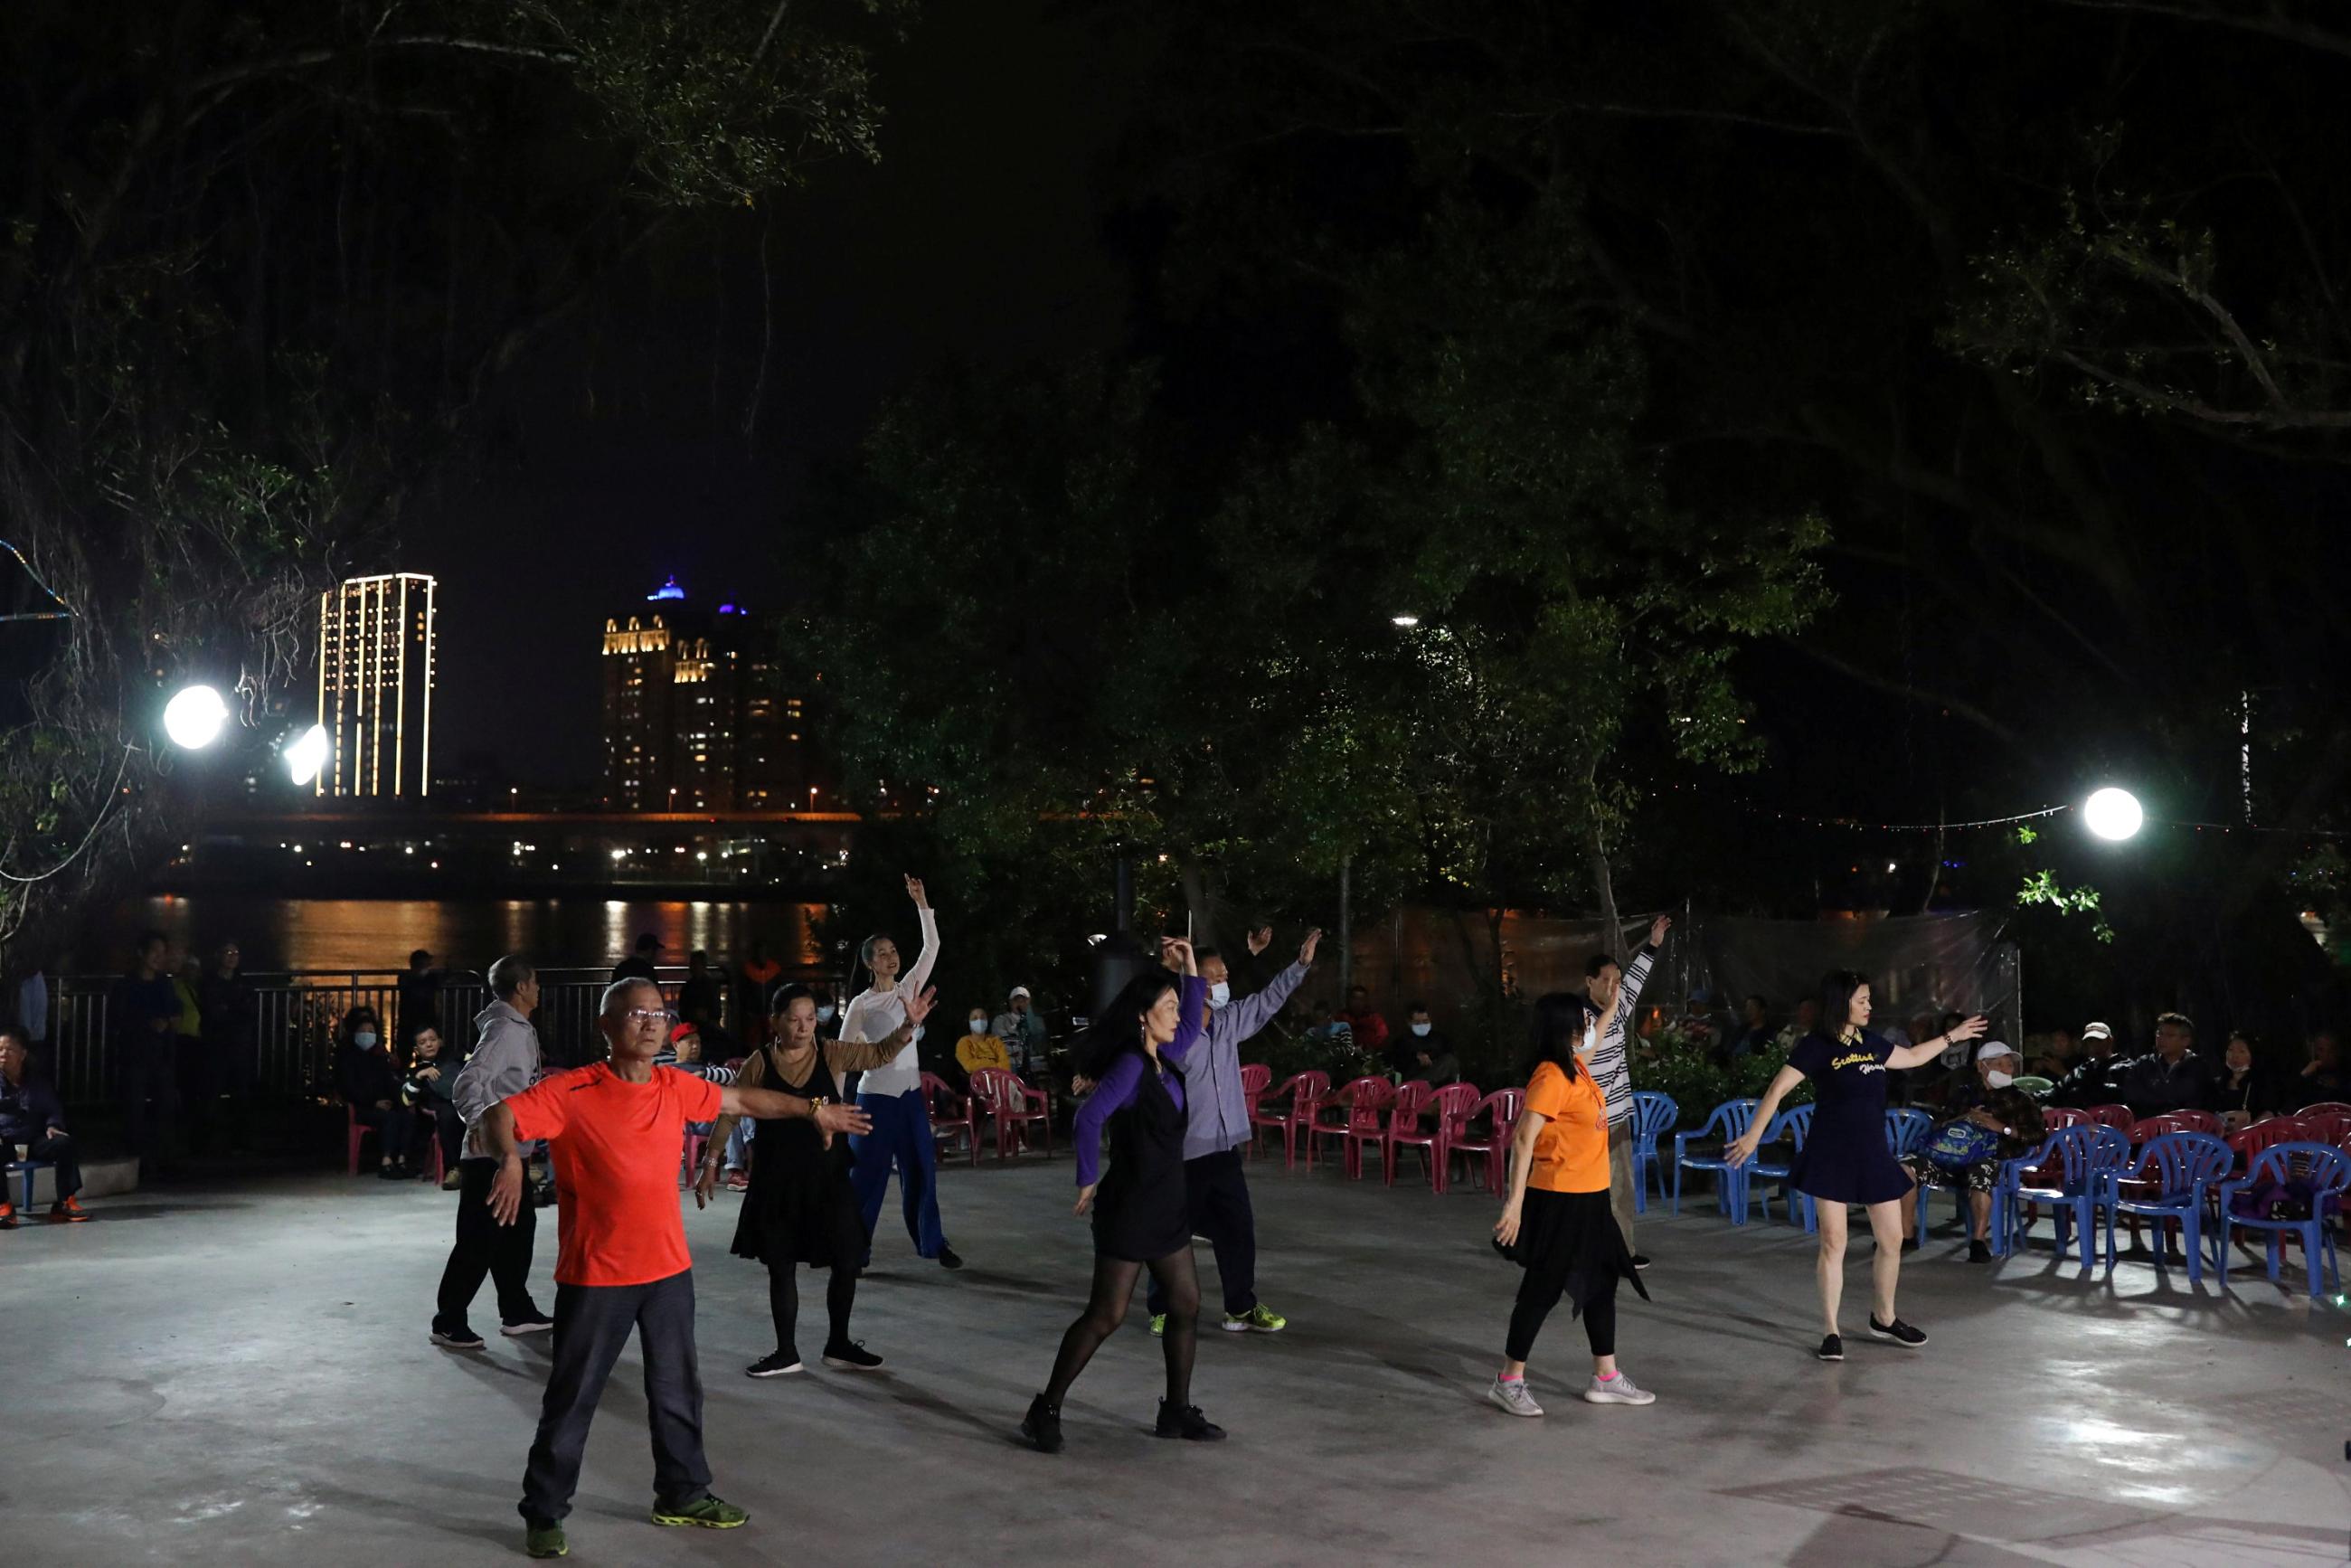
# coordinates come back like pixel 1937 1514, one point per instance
pixel 1158 1325
pixel 1259 1319
pixel 706 1511
pixel 545 1540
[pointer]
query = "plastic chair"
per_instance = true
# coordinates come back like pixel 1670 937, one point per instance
pixel 2184 1166
pixel 1792 1125
pixel 1502 1107
pixel 1015 1108
pixel 1359 1105
pixel 1450 1109
pixel 357 1131
pixel 2175 1122
pixel 2115 1116
pixel 2322 1126
pixel 1726 1122
pixel 2328 1171
pixel 960 1116
pixel 28 1169
pixel 2056 1117
pixel 1651 1113
pixel 2249 1142
pixel 1907 1129
pixel 695 1143
pixel 2085 1156
pixel 1306 1092
pixel 1413 1100
pixel 2327 1108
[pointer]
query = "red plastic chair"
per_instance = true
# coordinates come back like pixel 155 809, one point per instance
pixel 358 1131
pixel 1403 1127
pixel 1502 1107
pixel 2325 1107
pixel 2174 1122
pixel 2251 1141
pixel 2324 1126
pixel 1360 1106
pixel 956 1117
pixel 2118 1117
pixel 695 1143
pixel 2062 1116
pixel 1306 1092
pixel 1450 1109
pixel 1015 1107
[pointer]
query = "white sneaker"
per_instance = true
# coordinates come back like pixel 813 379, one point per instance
pixel 1513 1397
pixel 1618 1390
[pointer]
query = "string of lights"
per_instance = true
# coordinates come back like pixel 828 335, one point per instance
pixel 1859 826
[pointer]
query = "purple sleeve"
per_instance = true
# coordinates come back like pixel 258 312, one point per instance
pixel 1191 996
pixel 1116 1088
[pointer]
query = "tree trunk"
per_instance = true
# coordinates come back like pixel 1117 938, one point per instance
pixel 1196 899
pixel 1604 889
pixel 1346 929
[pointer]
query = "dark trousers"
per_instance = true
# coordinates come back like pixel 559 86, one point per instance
pixel 395 1130
pixel 592 1323
pixel 448 1125
pixel 485 1247
pixel 57 1152
pixel 151 1094
pixel 901 1136
pixel 1216 1187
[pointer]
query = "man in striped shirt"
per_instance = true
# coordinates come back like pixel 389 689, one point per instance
pixel 1612 1066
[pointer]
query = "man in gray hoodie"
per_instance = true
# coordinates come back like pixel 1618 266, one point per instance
pixel 505 1062
pixel 1218 1123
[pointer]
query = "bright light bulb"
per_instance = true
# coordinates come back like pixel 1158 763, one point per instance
pixel 2113 814
pixel 194 717
pixel 1406 622
pixel 307 757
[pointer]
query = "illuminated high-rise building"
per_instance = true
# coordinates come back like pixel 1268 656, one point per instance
pixel 376 664
pixel 696 718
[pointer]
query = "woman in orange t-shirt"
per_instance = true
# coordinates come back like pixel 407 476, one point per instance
pixel 1556 1223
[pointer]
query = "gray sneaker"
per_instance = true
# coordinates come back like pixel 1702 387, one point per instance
pixel 1618 1390
pixel 1513 1397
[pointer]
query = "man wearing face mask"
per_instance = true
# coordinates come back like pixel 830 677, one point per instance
pixel 1217 1112
pixel 1433 1062
pixel 1993 1121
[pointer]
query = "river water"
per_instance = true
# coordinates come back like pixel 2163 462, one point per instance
pixel 276 934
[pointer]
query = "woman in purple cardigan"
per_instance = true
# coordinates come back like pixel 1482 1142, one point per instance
pixel 1142 1219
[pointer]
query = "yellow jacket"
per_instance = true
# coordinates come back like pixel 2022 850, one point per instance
pixel 974 1051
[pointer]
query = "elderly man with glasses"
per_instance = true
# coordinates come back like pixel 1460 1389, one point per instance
pixel 614 1131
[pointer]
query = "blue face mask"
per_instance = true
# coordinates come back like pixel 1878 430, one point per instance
pixel 824 1013
pixel 364 1039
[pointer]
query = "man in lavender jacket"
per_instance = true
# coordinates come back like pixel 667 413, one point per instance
pixel 1214 1177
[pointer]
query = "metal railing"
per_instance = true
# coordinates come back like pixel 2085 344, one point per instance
pixel 296 1017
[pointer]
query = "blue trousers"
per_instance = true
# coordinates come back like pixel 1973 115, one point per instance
pixel 901 1136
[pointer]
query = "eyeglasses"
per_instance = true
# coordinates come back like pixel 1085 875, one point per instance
pixel 649 1015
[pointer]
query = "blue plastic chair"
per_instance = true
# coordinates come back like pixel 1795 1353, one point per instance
pixel 2090 1154
pixel 28 1169
pixel 1794 1125
pixel 1906 1131
pixel 2328 1170
pixel 2188 1165
pixel 1727 1121
pixel 1651 1113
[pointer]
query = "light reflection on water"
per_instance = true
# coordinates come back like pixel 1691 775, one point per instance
pixel 279 934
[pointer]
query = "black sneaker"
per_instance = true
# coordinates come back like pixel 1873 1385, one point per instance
pixel 388 1173
pixel 532 1321
pixel 850 1357
pixel 1042 1426
pixel 1912 1243
pixel 781 1364
pixel 1640 1259
pixel 949 1258
pixel 1189 1423
pixel 459 1337
pixel 1832 1349
pixel 1979 1252
pixel 1897 1330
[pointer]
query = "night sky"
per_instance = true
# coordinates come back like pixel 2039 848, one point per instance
pixel 617 457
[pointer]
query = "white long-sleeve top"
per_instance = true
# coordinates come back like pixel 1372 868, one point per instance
pixel 876 1015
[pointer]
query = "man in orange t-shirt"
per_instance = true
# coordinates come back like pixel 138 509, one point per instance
pixel 616 1131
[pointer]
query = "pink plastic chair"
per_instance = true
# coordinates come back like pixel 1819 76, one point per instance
pixel 1502 1107
pixel 1360 1106
pixel 688 1167
pixel 2062 1116
pixel 1450 1108
pixel 1404 1126
pixel 2325 1107
pixel 2175 1122
pixel 1306 1092
pixel 951 1113
pixel 2118 1117
pixel 1016 1109
pixel 1256 1079
pixel 2324 1126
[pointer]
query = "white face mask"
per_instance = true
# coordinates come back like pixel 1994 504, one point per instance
pixel 824 1013
pixel 918 1032
pixel 364 1039
pixel 978 1024
pixel 1219 994
pixel 1999 1080
pixel 1422 1029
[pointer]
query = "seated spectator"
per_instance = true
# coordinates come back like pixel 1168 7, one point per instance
pixel 1754 1031
pixel 684 1052
pixel 33 1121
pixel 2096 1076
pixel 1432 1060
pixel 370 1084
pixel 2173 1077
pixel 739 1153
pixel 1993 1121
pixel 2240 1094
pixel 2056 1056
pixel 2322 1077
pixel 1329 1027
pixel 428 1090
pixel 1364 1025
pixel 1021 1028
pixel 1807 1019
pixel 980 1048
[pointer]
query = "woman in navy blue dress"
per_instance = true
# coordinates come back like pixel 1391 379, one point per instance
pixel 1845 1158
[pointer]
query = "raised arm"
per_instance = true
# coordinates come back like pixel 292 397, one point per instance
pixel 1116 1088
pixel 864 1056
pixel 1253 1012
pixel 914 979
pixel 1191 996
pixel 1926 1050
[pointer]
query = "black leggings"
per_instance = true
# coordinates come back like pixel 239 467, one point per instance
pixel 1106 1309
pixel 1534 1304
pixel 784 1302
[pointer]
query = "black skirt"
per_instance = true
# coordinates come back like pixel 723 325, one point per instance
pixel 1569 1244
pixel 800 1206
pixel 1142 1210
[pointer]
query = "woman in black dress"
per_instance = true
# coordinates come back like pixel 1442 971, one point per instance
pixel 800 1207
pixel 1846 1159
pixel 1142 1217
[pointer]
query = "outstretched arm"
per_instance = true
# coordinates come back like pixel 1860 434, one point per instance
pixel 1743 1147
pixel 1926 1050
pixel 914 979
